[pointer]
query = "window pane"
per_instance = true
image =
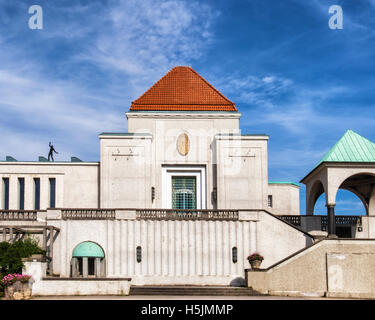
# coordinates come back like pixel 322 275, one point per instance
pixel 6 193
pixel 52 192
pixel 21 183
pixel 269 201
pixel 184 193
pixel 37 193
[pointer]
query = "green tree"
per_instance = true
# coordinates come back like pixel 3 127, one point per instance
pixel 11 254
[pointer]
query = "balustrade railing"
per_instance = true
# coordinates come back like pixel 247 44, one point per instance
pixel 30 215
pixel 294 220
pixel 340 220
pixel 343 220
pixel 88 214
pixel 178 214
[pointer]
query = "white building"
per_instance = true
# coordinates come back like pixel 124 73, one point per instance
pixel 183 197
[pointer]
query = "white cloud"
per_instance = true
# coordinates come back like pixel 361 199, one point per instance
pixel 268 79
pixel 141 39
pixel 35 110
pixel 133 42
pixel 253 90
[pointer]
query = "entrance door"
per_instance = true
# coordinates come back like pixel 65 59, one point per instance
pixel 184 192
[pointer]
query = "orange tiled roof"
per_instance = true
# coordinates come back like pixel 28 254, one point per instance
pixel 182 89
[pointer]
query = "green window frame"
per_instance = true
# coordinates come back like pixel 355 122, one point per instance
pixel 184 192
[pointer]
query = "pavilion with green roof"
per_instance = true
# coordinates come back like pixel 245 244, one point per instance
pixel 349 165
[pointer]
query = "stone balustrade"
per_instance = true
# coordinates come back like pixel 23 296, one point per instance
pixel 174 214
pixel 11 215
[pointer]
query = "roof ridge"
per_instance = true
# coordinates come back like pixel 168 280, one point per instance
pixel 154 85
pixel 191 69
pixel 364 144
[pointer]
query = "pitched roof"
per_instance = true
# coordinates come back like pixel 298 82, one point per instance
pixel 351 148
pixel 182 89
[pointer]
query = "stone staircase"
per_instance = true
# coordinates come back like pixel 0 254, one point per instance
pixel 185 290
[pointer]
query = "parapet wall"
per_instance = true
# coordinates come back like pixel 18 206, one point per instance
pixel 330 267
pixel 202 247
pixel 43 286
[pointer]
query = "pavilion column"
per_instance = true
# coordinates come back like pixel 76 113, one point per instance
pixel 85 265
pixel 97 265
pixel 44 244
pixel 51 250
pixel 371 207
pixel 74 267
pixel 331 220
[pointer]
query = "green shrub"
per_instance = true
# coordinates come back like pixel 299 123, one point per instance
pixel 11 254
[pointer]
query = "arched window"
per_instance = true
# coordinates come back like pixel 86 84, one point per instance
pixel 88 260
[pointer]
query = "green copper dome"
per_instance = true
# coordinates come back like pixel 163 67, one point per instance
pixel 351 148
pixel 88 249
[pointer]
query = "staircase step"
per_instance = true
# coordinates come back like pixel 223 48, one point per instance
pixel 192 290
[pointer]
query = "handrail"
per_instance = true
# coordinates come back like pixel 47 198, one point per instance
pixel 85 214
pixel 12 215
pixel 340 220
pixel 188 214
pixel 294 220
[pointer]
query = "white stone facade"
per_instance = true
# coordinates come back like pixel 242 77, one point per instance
pixel 178 160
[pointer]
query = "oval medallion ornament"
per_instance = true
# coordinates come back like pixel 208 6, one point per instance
pixel 183 144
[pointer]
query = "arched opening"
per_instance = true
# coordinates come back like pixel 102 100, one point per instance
pixel 347 204
pixel 363 186
pixel 314 196
pixel 349 208
pixel 353 199
pixel 88 260
pixel 320 205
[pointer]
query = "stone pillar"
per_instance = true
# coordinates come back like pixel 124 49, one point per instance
pixel 331 220
pixel 44 244
pixel 97 266
pixel 74 267
pixel 51 250
pixel 310 203
pixel 37 269
pixel 371 207
pixel 103 268
pixel 85 267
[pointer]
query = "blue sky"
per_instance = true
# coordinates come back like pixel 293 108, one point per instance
pixel 290 75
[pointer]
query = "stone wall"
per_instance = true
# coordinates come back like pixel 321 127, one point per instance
pixel 42 286
pixel 174 251
pixel 333 268
pixel 179 251
pixel 77 183
pixel 285 198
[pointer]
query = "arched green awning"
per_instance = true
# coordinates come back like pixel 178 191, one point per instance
pixel 88 249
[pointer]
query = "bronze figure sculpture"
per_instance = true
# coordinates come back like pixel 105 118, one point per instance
pixel 51 150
